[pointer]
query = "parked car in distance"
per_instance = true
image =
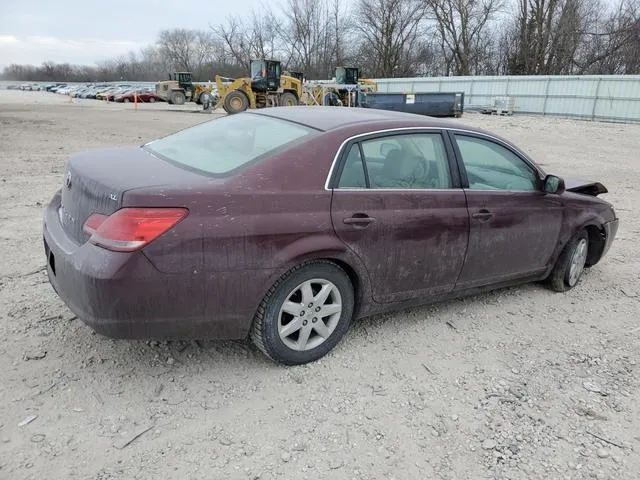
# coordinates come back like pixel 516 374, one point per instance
pixel 286 224
pixel 143 96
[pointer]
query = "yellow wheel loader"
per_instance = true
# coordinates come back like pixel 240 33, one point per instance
pixel 266 87
pixel 180 89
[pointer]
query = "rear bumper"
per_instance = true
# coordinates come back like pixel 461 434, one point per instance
pixel 122 295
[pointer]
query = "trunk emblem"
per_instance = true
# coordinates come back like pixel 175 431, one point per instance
pixel 113 197
pixel 67 180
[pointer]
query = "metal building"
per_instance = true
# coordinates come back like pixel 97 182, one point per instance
pixel 614 98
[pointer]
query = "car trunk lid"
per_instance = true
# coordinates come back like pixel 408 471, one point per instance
pixel 95 182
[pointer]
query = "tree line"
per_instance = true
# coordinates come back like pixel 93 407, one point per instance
pixel 388 38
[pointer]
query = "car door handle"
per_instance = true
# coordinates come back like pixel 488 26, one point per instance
pixel 482 215
pixel 359 220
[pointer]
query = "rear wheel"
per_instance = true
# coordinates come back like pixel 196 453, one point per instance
pixel 305 314
pixel 178 98
pixel 235 102
pixel 570 264
pixel 287 99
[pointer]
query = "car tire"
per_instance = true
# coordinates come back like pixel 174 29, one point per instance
pixel 287 346
pixel 570 265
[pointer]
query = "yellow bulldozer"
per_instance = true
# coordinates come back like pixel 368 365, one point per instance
pixel 266 86
pixel 180 89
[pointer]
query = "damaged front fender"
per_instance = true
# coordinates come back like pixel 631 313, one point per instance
pixel 584 187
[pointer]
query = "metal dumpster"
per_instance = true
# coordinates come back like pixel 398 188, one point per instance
pixel 434 104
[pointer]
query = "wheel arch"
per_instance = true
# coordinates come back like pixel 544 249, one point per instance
pixel 303 251
pixel 597 242
pixel 593 224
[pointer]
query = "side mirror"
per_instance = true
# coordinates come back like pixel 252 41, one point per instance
pixel 553 184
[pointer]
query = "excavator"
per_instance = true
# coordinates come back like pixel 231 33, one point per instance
pixel 267 86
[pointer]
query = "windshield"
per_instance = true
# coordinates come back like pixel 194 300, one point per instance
pixel 219 146
pixel 256 70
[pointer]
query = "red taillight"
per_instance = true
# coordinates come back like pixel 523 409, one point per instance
pixel 130 229
pixel 93 222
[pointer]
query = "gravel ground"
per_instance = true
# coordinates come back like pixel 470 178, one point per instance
pixel 522 383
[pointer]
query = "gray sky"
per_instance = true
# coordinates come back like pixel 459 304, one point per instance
pixel 82 32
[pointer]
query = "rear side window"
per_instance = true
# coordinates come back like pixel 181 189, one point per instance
pixel 353 171
pixel 225 144
pixel 409 161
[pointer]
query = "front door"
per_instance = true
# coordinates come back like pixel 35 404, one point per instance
pixel 396 206
pixel 514 224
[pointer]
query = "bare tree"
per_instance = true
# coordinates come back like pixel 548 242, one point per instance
pixel 463 28
pixel 309 34
pixel 388 38
pixel 613 44
pixel 388 30
pixel 548 34
pixel 241 40
pixel 186 50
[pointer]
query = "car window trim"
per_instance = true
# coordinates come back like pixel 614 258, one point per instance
pixel 367 183
pixel 419 190
pixel 451 133
pixel 337 166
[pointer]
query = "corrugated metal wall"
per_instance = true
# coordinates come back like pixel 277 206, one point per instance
pixel 597 97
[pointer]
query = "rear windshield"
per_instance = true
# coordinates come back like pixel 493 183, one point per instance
pixel 222 145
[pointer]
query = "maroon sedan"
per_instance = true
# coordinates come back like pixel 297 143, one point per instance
pixel 285 224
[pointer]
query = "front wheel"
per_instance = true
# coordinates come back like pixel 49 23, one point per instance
pixel 235 102
pixel 305 314
pixel 288 99
pixel 570 265
pixel 178 98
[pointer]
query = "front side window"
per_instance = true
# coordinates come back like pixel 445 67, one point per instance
pixel 491 166
pixel 219 146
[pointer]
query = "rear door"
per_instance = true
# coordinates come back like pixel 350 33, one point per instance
pixel 514 224
pixel 398 206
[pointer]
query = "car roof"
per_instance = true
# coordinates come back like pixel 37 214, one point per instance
pixel 327 118
pixel 330 118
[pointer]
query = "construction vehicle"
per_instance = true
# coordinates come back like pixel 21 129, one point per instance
pixel 298 75
pixel 266 87
pixel 180 89
pixel 351 76
pixel 346 89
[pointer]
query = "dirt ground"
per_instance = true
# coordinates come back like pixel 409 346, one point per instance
pixel 522 383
